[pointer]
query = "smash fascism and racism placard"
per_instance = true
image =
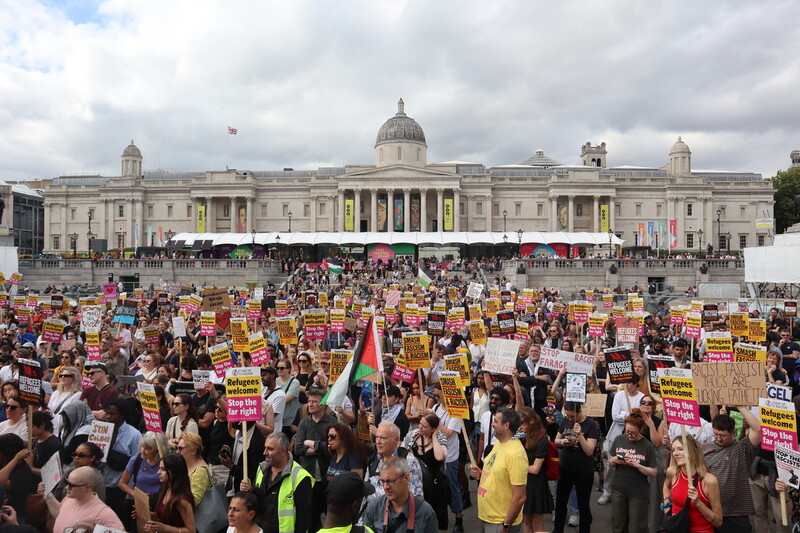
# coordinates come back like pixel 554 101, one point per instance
pixel 454 399
pixel 287 330
pixel 416 350
pixel 749 352
pixel 678 396
pixel 240 335
pixel 457 362
pixel 339 360
pixel 619 364
pixel 737 384
pixel 778 424
pixel 477 331
pixel 243 389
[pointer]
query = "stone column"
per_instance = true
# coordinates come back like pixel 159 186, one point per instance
pixel 439 209
pixel 470 208
pixel 670 216
pixel 596 214
pixel 456 210
pixel 105 225
pixel 312 223
pixel 709 217
pixel 193 220
pixel 211 220
pixel 340 208
pixel 129 223
pixel 571 213
pixel 331 206
pixel 423 209
pixel 64 240
pixel 389 210
pixel 682 221
pixel 357 214
pixel 373 210
pixel 487 204
pixel 553 213
pixel 406 210
pixel 612 209
pixel 234 214
pixel 251 217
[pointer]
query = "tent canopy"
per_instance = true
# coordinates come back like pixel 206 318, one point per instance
pixel 416 238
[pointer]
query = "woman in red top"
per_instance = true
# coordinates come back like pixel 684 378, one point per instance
pixel 705 506
pixel 175 510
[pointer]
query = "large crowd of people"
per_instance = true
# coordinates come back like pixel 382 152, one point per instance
pixel 393 456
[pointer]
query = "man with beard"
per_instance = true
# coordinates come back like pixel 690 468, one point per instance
pixel 274 397
pixel 498 398
pixel 534 379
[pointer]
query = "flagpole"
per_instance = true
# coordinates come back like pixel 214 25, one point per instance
pixel 227 149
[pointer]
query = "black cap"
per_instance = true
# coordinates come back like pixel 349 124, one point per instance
pixel 101 366
pixel 269 370
pixel 663 328
pixel 393 390
pixel 346 488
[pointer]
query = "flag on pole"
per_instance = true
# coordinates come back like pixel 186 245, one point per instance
pixel 367 360
pixel 330 267
pixel 424 276
pixel 232 131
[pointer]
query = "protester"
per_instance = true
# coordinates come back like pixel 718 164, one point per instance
pixel 190 447
pixel 15 472
pixel 538 499
pixel 346 451
pixel 344 497
pixel 242 511
pixel 701 494
pixel 16 422
pixel 397 509
pixel 174 512
pixel 81 507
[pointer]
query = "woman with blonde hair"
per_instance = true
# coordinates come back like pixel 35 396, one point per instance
pixel 190 446
pixel 701 494
pixel 70 387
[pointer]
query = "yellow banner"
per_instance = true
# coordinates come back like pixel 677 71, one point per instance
pixel 758 330
pixel 740 324
pixel 477 331
pixel 457 362
pixel 454 399
pixel 201 219
pixel 349 214
pixel 240 335
pixel 448 214
pixel 604 222
pixel 416 349
pixel 287 331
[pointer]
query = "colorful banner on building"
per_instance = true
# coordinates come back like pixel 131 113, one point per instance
pixel 673 234
pixel 349 214
pixel 448 214
pixel 398 215
pixel 605 223
pixel 562 217
pixel 383 214
pixel 415 216
pixel 651 234
pixel 201 219
pixel 661 235
pixel 640 236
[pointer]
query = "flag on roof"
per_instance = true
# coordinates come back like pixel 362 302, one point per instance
pixel 331 267
pixel 232 131
pixel 424 276
pixel 367 359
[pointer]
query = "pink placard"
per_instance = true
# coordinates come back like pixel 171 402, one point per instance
pixel 402 373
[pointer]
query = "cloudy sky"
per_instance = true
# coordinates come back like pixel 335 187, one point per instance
pixel 308 84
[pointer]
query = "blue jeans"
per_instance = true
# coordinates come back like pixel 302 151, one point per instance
pixel 456 503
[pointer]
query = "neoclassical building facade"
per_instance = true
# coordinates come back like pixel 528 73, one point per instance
pixel 673 206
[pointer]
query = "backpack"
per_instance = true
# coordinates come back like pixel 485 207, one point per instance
pixel 552 462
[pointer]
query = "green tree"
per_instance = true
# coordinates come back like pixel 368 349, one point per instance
pixel 787 186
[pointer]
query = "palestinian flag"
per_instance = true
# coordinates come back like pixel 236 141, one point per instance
pixel 424 276
pixel 330 267
pixel 367 359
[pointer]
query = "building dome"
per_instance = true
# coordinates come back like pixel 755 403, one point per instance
pixel 400 128
pixel 131 151
pixel 538 159
pixel 679 147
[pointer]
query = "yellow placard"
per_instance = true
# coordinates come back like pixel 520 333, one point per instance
pixel 477 331
pixel 240 335
pixel 454 399
pixel 458 363
pixel 287 330
pixel 739 324
pixel 339 360
pixel 416 349
pixel 758 330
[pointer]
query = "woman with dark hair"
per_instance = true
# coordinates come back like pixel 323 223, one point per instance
pixel 163 405
pixel 538 500
pixel 634 459
pixel 567 346
pixel 175 510
pixel 346 451
pixel 242 511
pixel 10 389
pixel 15 472
pixel 16 420
pixel 185 419
pixel 86 454
pixel 429 446
pixel 45 443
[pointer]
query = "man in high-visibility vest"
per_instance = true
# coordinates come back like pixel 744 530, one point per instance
pixel 287 487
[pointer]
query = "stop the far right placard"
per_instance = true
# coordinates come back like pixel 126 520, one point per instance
pixel 739 383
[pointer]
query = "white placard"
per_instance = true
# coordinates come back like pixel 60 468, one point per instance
pixel 501 356
pixel 474 290
pixel 200 378
pixel 101 434
pixel 576 388
pixel 178 326
pixel 51 473
pixel 578 363
pixel 788 463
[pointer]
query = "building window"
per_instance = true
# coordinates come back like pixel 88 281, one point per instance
pixel 226 211
pixel 381 154
pixel 617 211
pixel 169 211
pixel 461 209
pixel 539 210
pixel 72 214
pixel 121 210
pixel 56 242
pixel 658 210
pixel 399 153
pixel 761 240
pixel 149 211
pixel 120 240
pixel 518 209
pixel 263 210
pixel 689 209
pixel 419 154
pixel 722 212
pixel 189 211
pixel 722 242
pixel 322 208
pixel 495 210
pixel 742 242
pixel 478 208
pixel 690 241
pixel 578 210
pixel 285 210
pixel 638 210
pixel 306 210
pixel 742 211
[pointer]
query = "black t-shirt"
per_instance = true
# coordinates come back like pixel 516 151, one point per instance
pixel 627 479
pixel 45 450
pixel 573 458
pixel 204 404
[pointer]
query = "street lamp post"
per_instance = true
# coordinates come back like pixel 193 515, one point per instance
pixel 89 234
pixel 700 233
pixel 74 238
pixel 278 245
pixel 290 221
pixel 719 227
pixel 505 214
pixel 253 241
pixel 519 238
pixel 610 250
pixel 505 244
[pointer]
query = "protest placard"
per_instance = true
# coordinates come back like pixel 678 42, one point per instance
pixel 455 400
pixel 92 346
pixel 694 324
pixel 287 330
pixel 457 362
pixel 678 396
pixel 151 335
pixel 178 326
pixel 596 324
pixel 778 424
pixel 790 308
pixel 501 356
pixel 595 405
pixel 506 322
pixel 628 330
pixel 220 358
pixel 216 300
pixel 619 364
pixel 125 313
pixel 608 301
pixel 416 350
pixel 492 306
pixel 436 322
pixel 339 360
pixel 732 384
pixel 654 362
pixel 788 463
pixel 474 290
pixel 52 329
pixel 558 360
pixel 739 324
pixel 314 324
pixel 243 389
pixel 719 346
pixel 101 434
pixel 208 323
pixel 477 331
pixel 581 311
pixel 51 473
pixel 257 345
pixel 30 381
pixel 576 388
pixel 411 316
pixel 779 392
pixel 758 330
pixel 200 378
pixel 749 352
pixel 521 332
pixel 152 416
pixel 402 373
pixel 240 335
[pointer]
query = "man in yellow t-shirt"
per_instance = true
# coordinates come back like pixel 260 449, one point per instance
pixel 501 492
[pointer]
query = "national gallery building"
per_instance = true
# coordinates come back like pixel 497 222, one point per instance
pixel 671 208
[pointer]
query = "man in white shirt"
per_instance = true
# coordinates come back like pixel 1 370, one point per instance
pixel 274 397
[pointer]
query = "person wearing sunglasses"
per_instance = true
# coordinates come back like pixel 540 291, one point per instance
pixel 101 390
pixel 86 454
pixel 185 419
pixel 81 508
pixel 16 421
pixel 70 387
